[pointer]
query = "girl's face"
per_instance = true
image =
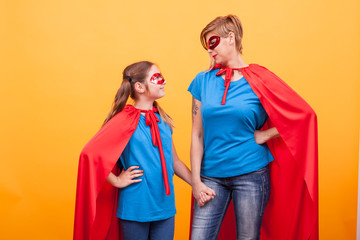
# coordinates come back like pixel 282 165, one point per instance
pixel 155 83
pixel 219 48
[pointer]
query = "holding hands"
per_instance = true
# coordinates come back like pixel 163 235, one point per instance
pixel 202 193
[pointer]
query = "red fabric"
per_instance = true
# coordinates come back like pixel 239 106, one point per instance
pixel 292 211
pixel 151 120
pixel 96 199
pixel 228 74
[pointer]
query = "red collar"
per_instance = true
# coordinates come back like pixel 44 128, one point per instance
pixel 228 73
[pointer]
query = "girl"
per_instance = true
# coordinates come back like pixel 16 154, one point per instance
pixel 138 138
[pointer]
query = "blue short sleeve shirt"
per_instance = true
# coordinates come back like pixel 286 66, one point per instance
pixel 229 145
pixel 146 201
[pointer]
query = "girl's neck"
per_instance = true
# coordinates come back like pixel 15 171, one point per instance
pixel 143 104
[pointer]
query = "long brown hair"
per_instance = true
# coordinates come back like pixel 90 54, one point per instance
pixel 136 72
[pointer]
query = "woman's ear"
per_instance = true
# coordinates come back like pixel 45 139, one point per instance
pixel 231 38
pixel 139 87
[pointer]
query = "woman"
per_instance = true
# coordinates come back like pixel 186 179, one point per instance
pixel 237 109
pixel 138 138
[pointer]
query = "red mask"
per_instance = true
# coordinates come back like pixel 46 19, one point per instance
pixel 213 42
pixel 158 79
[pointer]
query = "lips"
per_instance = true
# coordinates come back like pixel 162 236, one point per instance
pixel 214 56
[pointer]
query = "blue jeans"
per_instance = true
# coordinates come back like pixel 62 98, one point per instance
pixel 250 194
pixel 156 230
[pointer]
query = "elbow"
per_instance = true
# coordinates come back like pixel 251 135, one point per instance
pixel 197 135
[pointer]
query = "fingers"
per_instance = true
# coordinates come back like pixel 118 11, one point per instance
pixel 137 171
pixel 135 180
pixel 136 175
pixel 131 173
pixel 132 168
pixel 204 198
pixel 200 201
pixel 210 192
pixel 208 197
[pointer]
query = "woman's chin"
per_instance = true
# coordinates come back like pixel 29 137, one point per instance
pixel 218 61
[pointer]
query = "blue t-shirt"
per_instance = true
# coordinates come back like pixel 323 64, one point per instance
pixel 229 144
pixel 146 200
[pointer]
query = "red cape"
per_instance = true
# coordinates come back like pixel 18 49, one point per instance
pixel 292 210
pixel 96 199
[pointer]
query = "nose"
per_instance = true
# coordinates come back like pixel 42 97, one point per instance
pixel 209 50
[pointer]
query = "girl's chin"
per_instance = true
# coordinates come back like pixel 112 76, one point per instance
pixel 160 95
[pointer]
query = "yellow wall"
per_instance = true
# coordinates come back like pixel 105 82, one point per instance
pixel 60 67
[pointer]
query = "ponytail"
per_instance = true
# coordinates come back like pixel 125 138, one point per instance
pixel 133 73
pixel 121 98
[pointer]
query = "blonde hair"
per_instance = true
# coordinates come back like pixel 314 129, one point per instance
pixel 223 26
pixel 136 72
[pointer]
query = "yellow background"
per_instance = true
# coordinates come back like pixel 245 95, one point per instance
pixel 61 64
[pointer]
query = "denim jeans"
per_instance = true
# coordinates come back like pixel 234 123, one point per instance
pixel 250 194
pixel 156 230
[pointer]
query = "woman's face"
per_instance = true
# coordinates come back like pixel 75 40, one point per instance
pixel 155 83
pixel 219 48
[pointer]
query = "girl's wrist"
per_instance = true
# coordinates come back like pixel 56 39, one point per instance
pixel 118 183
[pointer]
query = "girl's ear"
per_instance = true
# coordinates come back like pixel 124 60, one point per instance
pixel 139 87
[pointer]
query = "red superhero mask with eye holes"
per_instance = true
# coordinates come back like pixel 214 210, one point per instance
pixel 213 42
pixel 158 79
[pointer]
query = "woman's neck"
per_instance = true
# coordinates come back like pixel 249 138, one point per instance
pixel 236 61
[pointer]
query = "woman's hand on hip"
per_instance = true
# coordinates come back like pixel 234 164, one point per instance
pixel 262 137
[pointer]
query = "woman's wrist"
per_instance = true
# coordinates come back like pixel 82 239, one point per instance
pixel 195 181
pixel 268 134
pixel 272 133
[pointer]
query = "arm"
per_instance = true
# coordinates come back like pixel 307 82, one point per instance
pixel 262 137
pixel 181 170
pixel 125 178
pixel 196 154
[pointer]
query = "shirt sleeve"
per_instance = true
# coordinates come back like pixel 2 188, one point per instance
pixel 195 87
pixel 119 164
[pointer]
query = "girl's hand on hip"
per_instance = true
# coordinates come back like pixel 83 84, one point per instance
pixel 127 177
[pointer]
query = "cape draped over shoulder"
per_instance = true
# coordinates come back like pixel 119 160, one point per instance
pixel 292 210
pixel 96 199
